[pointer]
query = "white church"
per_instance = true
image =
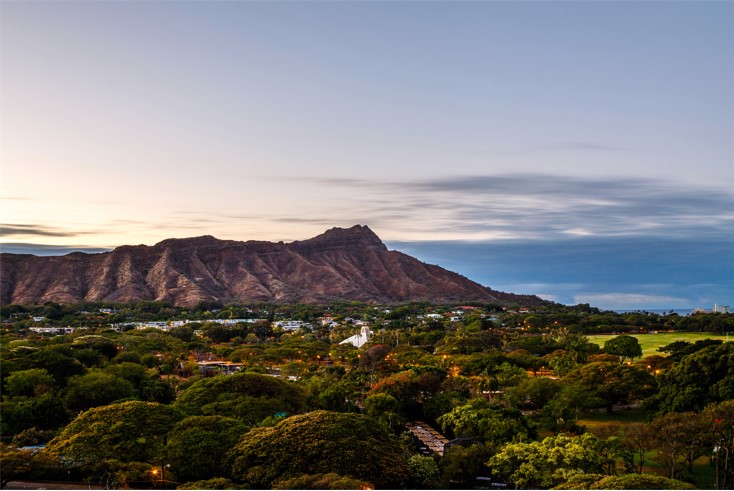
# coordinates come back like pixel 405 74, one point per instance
pixel 358 340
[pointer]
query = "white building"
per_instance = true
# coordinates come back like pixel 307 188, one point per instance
pixel 53 330
pixel 289 325
pixel 359 340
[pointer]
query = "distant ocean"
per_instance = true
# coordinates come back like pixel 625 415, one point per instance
pixel 657 311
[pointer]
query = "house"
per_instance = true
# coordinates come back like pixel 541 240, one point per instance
pixel 212 368
pixel 289 325
pixel 53 330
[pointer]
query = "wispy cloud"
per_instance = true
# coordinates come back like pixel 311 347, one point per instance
pixel 533 206
pixel 7 230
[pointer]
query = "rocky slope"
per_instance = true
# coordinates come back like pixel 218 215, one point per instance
pixel 340 264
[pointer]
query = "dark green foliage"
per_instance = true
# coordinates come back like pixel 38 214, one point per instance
pixel 494 425
pixel 442 403
pixel 612 382
pixel 533 392
pixel 549 462
pixel 45 412
pixel 213 483
pixel 624 481
pixel 96 388
pixel 424 472
pixel 33 436
pixel 705 376
pixel 320 442
pixel 623 346
pixel 28 383
pixel 17 464
pixel 197 446
pixel 59 365
pixel 677 350
pixel 248 397
pixel 329 480
pixel 105 346
pixel 132 431
pixel 460 465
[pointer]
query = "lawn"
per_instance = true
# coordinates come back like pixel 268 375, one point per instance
pixel 602 422
pixel 651 342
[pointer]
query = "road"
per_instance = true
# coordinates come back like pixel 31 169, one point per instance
pixel 50 485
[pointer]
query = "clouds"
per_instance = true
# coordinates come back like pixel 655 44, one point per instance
pixel 31 230
pixel 531 206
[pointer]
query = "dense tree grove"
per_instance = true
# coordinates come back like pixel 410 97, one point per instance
pixel 265 396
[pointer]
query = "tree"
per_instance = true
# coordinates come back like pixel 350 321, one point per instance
pixel 460 465
pixel 534 392
pixel 28 383
pixel 372 357
pixel 624 481
pixel 383 408
pixel 307 444
pixel 132 431
pixel 105 346
pixel 330 480
pixel 679 436
pixel 705 376
pixel 579 347
pixel 638 442
pixel 561 363
pixel 613 383
pixel 213 483
pixel 57 364
pixel 197 446
pixel 624 346
pixel 16 463
pixel 45 412
pixel 424 471
pixel 679 349
pixel 549 462
pixel 96 388
pixel 480 420
pixel 719 420
pixel 248 397
pixel 405 388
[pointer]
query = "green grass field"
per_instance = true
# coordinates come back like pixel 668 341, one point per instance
pixel 651 342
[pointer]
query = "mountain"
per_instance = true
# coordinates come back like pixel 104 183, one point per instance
pixel 340 264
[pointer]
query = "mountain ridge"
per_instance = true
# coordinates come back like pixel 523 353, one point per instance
pixel 350 264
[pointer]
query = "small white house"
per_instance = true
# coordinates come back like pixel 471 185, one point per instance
pixel 359 340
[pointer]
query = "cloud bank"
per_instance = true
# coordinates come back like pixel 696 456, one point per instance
pixel 530 206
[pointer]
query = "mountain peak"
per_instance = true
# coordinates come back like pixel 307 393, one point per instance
pixel 356 236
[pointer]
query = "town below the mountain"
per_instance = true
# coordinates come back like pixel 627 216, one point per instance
pixel 353 395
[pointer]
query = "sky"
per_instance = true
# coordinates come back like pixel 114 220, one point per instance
pixel 579 150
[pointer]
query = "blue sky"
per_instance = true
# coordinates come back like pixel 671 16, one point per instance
pixel 580 150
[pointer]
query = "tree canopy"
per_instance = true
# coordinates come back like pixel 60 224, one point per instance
pixel 310 444
pixel 197 446
pixel 624 346
pixel 130 431
pixel 705 376
pixel 248 397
